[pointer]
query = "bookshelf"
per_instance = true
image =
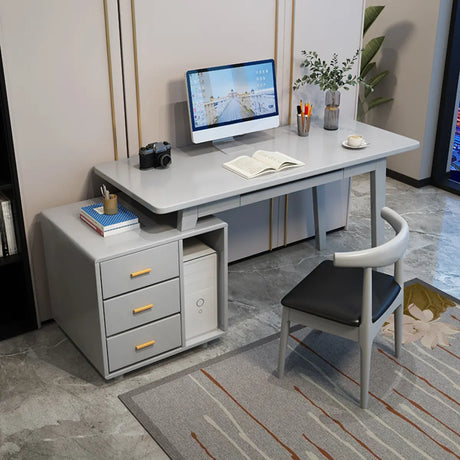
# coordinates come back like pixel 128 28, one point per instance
pixel 17 315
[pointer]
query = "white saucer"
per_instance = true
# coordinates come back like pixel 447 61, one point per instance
pixel 347 146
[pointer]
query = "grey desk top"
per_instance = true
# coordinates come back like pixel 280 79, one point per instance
pixel 196 175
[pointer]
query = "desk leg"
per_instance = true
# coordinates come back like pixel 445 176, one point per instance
pixel 187 219
pixel 378 178
pixel 319 209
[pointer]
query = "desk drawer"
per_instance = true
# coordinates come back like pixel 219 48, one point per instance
pixel 144 342
pixel 140 269
pixel 140 307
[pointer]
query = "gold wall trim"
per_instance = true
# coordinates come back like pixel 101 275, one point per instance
pixel 136 73
pixel 286 203
pixel 276 31
pixel 291 70
pixel 270 233
pixel 109 65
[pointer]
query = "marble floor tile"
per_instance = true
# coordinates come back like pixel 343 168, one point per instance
pixel 53 404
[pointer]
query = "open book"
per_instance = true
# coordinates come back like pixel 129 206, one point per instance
pixel 261 162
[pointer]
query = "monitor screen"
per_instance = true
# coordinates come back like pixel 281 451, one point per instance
pixel 233 99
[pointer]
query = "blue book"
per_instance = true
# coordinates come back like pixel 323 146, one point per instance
pixel 95 214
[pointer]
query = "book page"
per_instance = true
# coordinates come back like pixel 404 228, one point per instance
pixel 276 160
pixel 247 166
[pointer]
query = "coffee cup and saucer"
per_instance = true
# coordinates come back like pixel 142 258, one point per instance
pixel 354 141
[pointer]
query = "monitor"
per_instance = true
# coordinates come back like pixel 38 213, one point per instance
pixel 230 100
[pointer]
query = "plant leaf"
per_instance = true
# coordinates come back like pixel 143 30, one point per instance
pixel 370 50
pixel 370 15
pixel 367 69
pixel 378 101
pixel 375 81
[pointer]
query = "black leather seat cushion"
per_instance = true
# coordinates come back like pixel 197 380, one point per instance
pixel 335 293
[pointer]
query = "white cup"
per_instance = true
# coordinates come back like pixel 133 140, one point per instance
pixel 354 140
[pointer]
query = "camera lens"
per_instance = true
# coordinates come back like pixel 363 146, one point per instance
pixel 164 160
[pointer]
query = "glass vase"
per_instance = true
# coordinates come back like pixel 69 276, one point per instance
pixel 332 111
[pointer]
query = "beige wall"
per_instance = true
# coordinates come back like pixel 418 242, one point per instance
pixel 414 52
pixel 56 73
pixel 64 118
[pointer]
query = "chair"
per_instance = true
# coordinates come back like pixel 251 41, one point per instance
pixel 347 298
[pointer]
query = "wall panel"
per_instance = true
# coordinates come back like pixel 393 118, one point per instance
pixel 56 72
pixel 173 37
pixel 329 26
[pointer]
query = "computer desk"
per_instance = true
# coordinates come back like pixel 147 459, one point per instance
pixel 197 185
pixel 135 298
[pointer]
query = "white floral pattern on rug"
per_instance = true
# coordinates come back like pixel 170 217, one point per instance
pixel 422 326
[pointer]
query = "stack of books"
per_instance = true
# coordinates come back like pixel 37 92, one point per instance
pixel 106 225
pixel 8 245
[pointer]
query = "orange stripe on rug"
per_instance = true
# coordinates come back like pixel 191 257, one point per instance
pixel 325 360
pixel 195 437
pixel 448 351
pixel 387 406
pixel 421 408
pixel 213 380
pixel 419 376
pixel 394 411
pixel 323 451
pixel 340 424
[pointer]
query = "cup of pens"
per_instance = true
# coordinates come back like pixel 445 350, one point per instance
pixel 109 201
pixel 303 119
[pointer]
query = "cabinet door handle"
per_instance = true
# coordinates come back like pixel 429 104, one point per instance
pixel 144 345
pixel 141 272
pixel 145 307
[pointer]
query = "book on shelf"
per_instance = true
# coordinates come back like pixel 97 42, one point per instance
pixel 3 247
pixel 105 224
pixel 261 162
pixel 114 231
pixel 7 231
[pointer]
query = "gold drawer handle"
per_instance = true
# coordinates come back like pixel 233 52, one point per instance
pixel 144 345
pixel 145 307
pixel 141 272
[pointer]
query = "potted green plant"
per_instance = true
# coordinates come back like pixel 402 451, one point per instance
pixel 330 77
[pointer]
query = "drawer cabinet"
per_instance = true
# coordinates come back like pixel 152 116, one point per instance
pixel 143 342
pixel 140 307
pixel 140 269
pixel 120 299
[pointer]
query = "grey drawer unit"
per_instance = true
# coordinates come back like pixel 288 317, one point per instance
pixel 135 271
pixel 120 299
pixel 141 307
pixel 144 342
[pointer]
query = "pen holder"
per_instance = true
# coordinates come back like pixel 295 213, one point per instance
pixel 110 204
pixel 303 125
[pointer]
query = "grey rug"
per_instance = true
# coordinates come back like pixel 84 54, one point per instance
pixel 235 407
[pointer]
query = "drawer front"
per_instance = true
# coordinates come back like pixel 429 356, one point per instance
pixel 143 342
pixel 140 269
pixel 141 307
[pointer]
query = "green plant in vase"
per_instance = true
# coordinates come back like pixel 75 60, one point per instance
pixel 330 77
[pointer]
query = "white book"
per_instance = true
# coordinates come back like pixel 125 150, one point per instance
pixel 261 162
pixel 8 222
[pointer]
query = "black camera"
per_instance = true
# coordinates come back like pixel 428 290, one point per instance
pixel 155 155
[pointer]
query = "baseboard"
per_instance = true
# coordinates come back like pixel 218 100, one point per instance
pixel 408 180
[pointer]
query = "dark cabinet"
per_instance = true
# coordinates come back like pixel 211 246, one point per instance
pixel 17 309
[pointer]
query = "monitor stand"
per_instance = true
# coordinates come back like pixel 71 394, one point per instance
pixel 230 146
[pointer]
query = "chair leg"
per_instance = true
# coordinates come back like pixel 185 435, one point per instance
pixel 398 319
pixel 365 369
pixel 285 324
